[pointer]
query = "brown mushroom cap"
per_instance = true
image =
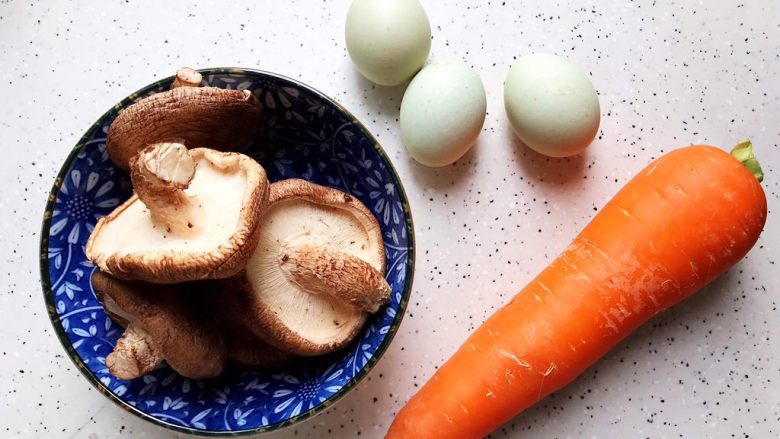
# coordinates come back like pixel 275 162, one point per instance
pixel 203 117
pixel 279 310
pixel 232 194
pixel 192 345
pixel 228 309
pixel 247 350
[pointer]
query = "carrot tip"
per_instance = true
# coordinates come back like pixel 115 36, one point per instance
pixel 744 153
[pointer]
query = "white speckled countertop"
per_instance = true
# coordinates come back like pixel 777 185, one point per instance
pixel 669 73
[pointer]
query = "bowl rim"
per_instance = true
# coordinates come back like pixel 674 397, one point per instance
pixel 102 388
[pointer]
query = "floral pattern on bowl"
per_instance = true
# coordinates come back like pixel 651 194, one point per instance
pixel 305 135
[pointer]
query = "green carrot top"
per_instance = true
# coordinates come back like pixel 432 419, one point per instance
pixel 744 153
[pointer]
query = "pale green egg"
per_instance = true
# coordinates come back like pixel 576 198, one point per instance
pixel 552 105
pixel 442 113
pixel 388 40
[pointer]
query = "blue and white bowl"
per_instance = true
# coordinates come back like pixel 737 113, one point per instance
pixel 305 135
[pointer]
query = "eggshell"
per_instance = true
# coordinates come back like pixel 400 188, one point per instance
pixel 442 113
pixel 388 40
pixel 551 105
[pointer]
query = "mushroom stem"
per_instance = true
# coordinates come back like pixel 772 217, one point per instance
pixel 135 354
pixel 187 77
pixel 320 270
pixel 159 174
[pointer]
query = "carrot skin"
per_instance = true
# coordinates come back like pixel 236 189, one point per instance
pixel 680 223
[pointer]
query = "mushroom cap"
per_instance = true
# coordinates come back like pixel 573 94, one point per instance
pixel 200 116
pixel 233 191
pixel 190 343
pixel 245 349
pixel 242 346
pixel 278 310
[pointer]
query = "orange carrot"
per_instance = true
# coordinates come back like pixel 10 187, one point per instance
pixel 679 224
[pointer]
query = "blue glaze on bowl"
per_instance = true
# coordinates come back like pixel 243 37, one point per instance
pixel 305 135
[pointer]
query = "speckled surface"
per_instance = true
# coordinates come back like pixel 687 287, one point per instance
pixel 668 74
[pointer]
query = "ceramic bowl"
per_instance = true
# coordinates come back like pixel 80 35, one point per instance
pixel 305 135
